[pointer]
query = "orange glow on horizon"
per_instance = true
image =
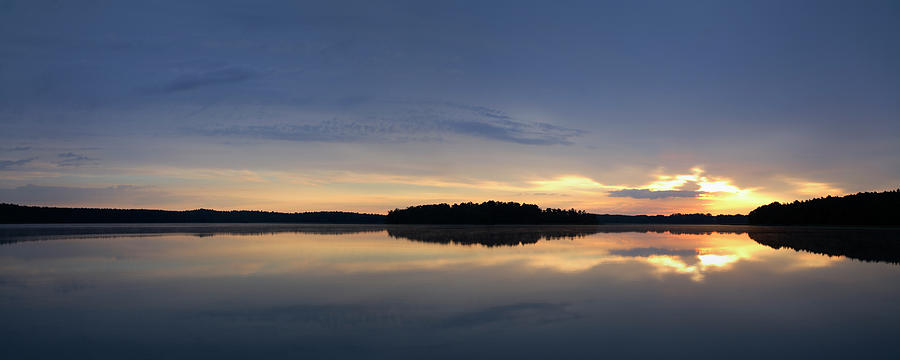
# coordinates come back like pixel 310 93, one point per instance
pixel 243 189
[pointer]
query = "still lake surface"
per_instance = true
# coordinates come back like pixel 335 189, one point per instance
pixel 198 291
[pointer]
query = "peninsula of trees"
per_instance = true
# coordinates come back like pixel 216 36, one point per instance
pixel 18 214
pixel 866 208
pixel 488 213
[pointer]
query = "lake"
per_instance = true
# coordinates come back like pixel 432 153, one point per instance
pixel 195 291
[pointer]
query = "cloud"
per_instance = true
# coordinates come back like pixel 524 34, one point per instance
pixel 693 185
pixel 650 194
pixel 516 132
pixel 408 121
pixel 6 164
pixel 73 159
pixel 17 148
pixel 325 131
pixel 208 78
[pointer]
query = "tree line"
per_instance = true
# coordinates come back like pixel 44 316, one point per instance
pixel 865 208
pixel 18 214
pixel 487 213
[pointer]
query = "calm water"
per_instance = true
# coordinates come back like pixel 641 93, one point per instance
pixel 280 291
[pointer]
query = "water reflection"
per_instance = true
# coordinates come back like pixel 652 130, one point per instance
pixel 27 232
pixel 448 292
pixel 489 236
pixel 879 245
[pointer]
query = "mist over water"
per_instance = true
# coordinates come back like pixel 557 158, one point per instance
pixel 238 291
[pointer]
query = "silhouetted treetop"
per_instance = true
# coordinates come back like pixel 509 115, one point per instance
pixel 865 208
pixel 487 213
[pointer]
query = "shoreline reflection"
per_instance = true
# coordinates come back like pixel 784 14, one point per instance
pixel 489 236
pixel 869 245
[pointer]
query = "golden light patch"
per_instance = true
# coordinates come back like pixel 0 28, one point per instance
pixel 816 189
pixel 567 182
pixel 379 192
pixel 717 260
pixel 718 186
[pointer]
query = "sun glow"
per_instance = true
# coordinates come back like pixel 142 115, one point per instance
pixel 693 182
pixel 717 260
pixel 667 263
pixel 227 189
pixel 717 186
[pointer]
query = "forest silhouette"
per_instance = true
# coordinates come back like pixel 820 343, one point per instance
pixel 862 209
pixel 18 214
pixel 488 213
pixel 865 208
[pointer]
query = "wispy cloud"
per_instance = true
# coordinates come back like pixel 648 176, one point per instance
pixel 16 148
pixel 6 164
pixel 73 159
pixel 420 121
pixel 516 132
pixel 195 80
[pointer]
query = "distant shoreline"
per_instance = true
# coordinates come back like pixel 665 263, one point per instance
pixel 19 214
pixel 532 215
pixel 858 210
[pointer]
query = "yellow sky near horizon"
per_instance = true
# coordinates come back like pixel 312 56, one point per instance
pixel 693 191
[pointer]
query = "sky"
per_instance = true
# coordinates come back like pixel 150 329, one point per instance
pixel 625 107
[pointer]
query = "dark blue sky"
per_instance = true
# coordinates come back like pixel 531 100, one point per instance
pixel 373 105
